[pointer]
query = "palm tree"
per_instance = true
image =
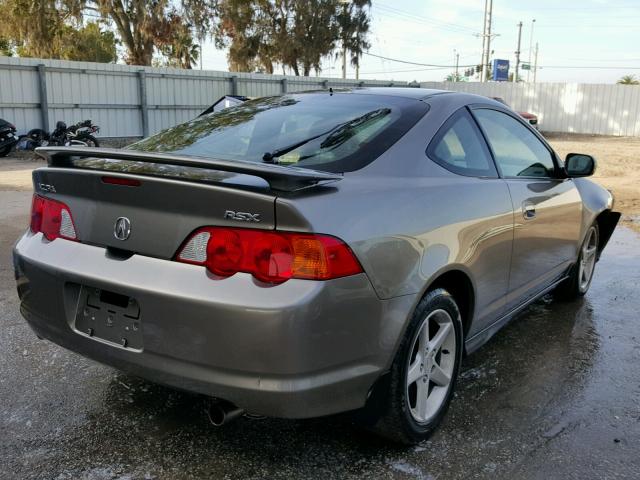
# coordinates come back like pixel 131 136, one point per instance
pixel 629 80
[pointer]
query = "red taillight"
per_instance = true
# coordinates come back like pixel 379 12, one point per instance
pixel 269 256
pixel 52 218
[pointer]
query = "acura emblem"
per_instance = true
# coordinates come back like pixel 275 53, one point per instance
pixel 122 228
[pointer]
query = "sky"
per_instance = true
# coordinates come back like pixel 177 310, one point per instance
pixel 585 41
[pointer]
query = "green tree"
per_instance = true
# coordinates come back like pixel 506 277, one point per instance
pixel 181 52
pixel 353 24
pixel 628 80
pixel 293 33
pixel 89 43
pixel 40 28
pixel 36 26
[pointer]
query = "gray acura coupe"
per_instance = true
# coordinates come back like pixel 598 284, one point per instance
pixel 307 254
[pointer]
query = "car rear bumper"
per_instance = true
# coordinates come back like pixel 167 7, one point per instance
pixel 299 349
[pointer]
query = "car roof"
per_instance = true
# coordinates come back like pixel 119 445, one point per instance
pixel 408 92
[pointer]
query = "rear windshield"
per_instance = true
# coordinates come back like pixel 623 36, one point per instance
pixel 338 132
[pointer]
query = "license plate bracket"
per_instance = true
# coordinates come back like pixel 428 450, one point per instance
pixel 110 317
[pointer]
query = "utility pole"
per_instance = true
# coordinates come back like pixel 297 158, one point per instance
pixel 515 76
pixel 533 22
pixel 486 39
pixel 457 62
pixel 535 64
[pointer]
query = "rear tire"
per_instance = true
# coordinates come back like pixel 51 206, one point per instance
pixel 581 274
pixel 86 139
pixel 423 375
pixel 5 151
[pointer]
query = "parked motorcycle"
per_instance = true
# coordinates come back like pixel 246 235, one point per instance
pixel 80 134
pixel 8 137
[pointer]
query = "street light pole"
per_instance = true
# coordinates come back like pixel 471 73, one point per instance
pixel 533 22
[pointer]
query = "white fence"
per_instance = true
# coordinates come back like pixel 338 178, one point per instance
pixel 129 101
pixel 566 107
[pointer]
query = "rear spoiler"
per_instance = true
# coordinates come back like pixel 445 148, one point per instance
pixel 277 176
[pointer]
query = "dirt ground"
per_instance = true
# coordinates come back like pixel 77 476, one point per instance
pixel 618 168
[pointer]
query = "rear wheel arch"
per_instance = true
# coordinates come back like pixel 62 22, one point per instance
pixel 459 285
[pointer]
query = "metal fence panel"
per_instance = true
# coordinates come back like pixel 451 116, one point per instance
pixel 129 100
pixel 599 109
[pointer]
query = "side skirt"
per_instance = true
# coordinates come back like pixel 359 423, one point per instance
pixel 480 338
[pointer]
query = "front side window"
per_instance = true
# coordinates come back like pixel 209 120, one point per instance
pixel 333 132
pixel 459 147
pixel 517 151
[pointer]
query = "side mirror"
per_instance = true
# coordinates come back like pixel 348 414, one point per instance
pixel 579 165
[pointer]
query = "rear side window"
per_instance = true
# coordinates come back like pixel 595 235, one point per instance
pixel 518 152
pixel 460 148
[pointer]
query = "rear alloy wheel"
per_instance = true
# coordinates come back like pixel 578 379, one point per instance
pixel 424 372
pixel 431 365
pixel 581 274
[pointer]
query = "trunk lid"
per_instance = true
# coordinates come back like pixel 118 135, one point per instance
pixel 172 196
pixel 162 212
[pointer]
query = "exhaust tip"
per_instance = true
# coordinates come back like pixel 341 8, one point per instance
pixel 221 412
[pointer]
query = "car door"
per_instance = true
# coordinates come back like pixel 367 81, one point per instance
pixel 483 228
pixel 547 206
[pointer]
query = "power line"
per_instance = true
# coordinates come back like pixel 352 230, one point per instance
pixel 423 20
pixel 436 66
pixel 415 63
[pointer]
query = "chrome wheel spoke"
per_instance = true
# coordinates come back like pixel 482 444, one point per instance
pixel 415 370
pixel 439 338
pixel 439 376
pixel 422 400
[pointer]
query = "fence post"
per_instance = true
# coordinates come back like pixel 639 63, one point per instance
pixel 284 85
pixel 44 100
pixel 234 85
pixel 144 107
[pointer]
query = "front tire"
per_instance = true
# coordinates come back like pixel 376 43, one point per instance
pixel 579 280
pixel 424 371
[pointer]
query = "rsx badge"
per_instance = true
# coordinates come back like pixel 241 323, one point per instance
pixel 242 216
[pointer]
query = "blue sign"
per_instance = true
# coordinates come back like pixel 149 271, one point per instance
pixel 500 70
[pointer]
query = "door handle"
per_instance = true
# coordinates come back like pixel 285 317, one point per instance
pixel 528 211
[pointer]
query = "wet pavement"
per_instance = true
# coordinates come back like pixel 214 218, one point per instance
pixel 556 394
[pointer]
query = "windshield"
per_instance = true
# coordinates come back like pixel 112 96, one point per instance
pixel 332 132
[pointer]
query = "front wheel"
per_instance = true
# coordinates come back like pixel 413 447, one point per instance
pixel 581 274
pixel 424 372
